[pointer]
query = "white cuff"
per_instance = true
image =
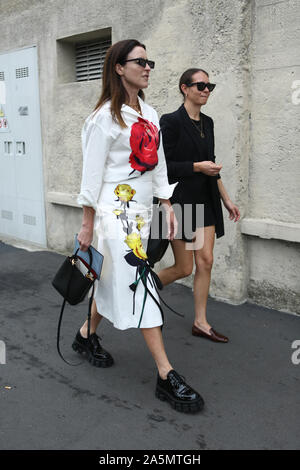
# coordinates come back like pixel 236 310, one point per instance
pixel 85 200
pixel 165 192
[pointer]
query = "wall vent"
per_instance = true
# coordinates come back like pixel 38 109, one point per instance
pixel 89 58
pixel 2 76
pixel 29 219
pixel 22 72
pixel 7 215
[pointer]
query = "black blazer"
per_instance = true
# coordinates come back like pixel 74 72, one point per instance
pixel 183 146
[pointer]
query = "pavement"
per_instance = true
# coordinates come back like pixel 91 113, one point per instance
pixel 250 385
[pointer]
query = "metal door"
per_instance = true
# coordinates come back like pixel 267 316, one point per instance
pixel 22 210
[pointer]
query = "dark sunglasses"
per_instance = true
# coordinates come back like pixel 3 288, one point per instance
pixel 142 62
pixel 202 85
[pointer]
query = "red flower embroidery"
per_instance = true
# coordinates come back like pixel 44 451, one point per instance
pixel 144 142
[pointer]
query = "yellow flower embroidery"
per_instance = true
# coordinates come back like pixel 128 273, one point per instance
pixel 134 242
pixel 124 192
pixel 140 222
pixel 118 212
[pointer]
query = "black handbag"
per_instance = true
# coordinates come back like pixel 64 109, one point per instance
pixel 157 247
pixel 73 285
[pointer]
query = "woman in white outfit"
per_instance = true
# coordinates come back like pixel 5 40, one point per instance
pixel 123 168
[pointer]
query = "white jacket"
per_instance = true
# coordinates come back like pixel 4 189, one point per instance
pixel 106 150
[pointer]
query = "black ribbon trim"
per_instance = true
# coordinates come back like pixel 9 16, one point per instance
pixel 144 270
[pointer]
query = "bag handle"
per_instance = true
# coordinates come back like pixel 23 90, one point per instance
pixel 62 311
pixel 90 255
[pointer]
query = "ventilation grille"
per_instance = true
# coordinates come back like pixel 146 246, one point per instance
pixel 7 215
pixel 89 59
pixel 1 75
pixel 29 219
pixel 22 72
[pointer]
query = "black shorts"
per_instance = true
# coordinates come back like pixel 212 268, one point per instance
pixel 209 219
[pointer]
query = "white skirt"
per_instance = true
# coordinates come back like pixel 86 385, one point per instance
pixel 122 225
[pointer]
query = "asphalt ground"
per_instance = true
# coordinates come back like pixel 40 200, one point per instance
pixel 250 385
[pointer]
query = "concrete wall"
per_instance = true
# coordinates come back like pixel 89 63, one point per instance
pixel 249 49
pixel 274 166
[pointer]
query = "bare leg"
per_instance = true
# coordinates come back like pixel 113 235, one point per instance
pixel 154 341
pixel 95 320
pixel 204 262
pixel 182 267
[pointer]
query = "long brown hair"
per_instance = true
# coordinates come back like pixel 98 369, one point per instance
pixel 112 86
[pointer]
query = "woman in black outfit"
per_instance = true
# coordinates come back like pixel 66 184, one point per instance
pixel 188 140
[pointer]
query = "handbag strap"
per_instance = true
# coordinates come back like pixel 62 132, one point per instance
pixel 61 315
pixel 90 255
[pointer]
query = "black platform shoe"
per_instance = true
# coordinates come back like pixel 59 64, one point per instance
pixel 96 355
pixel 180 395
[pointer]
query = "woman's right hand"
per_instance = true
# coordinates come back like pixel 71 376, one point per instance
pixel 85 237
pixel 207 167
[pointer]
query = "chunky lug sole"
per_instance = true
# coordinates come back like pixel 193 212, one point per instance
pixel 95 362
pixel 185 407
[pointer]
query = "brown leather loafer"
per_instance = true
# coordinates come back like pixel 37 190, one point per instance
pixel 213 336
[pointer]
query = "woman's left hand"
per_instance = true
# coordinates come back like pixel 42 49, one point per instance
pixel 234 213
